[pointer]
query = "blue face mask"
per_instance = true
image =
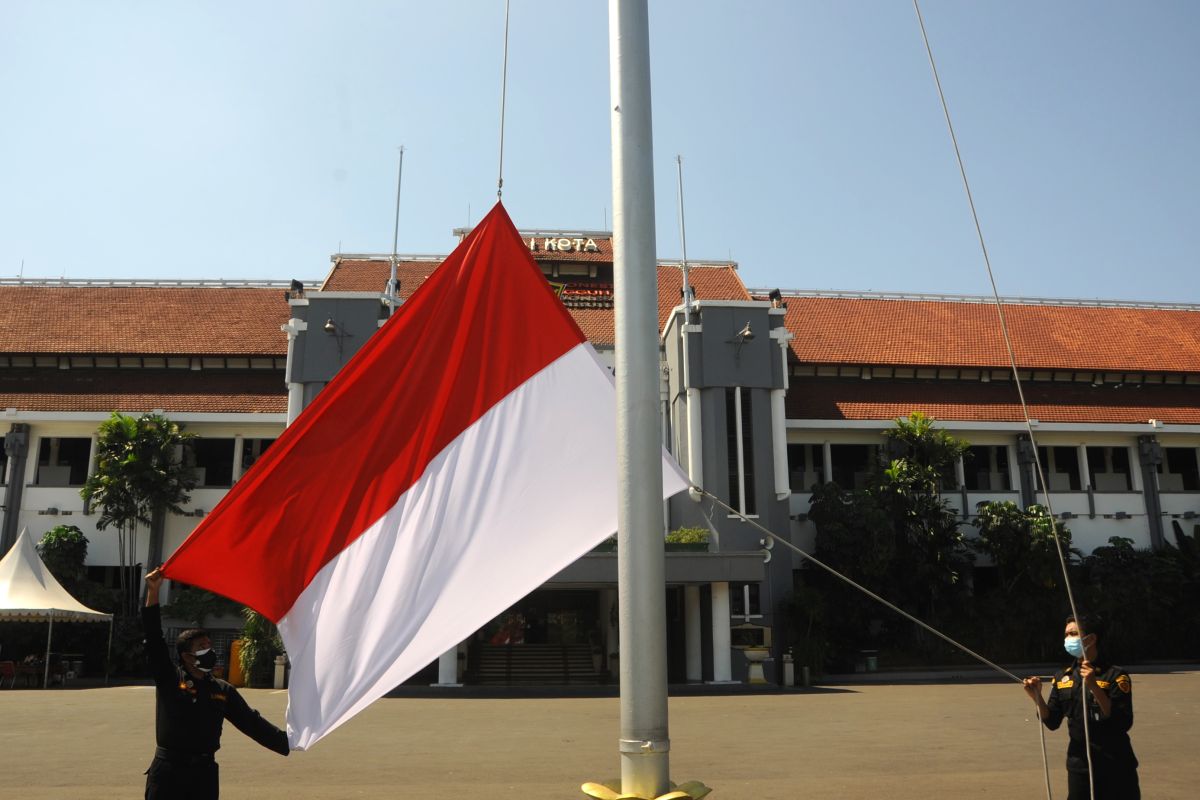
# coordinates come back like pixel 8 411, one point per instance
pixel 1074 646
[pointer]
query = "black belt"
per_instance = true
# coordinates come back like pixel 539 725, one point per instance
pixel 180 757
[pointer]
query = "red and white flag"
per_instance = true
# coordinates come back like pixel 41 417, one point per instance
pixel 462 458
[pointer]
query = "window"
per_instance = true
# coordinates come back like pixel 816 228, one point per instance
pixel 110 577
pixel 985 469
pixel 853 464
pixel 1178 471
pixel 806 466
pixel 62 461
pixel 252 450
pixel 1108 469
pixel 744 600
pixel 739 426
pixel 212 462
pixel 1061 465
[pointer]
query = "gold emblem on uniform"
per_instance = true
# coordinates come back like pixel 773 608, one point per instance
pixel 1124 684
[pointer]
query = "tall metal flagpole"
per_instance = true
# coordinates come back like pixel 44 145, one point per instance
pixel 392 287
pixel 644 743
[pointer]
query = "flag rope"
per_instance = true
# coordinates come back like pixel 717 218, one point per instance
pixel 1020 389
pixel 503 102
pixel 850 581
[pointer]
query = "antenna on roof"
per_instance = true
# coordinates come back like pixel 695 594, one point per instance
pixel 687 287
pixel 393 286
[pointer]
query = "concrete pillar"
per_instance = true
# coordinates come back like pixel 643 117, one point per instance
pixel 448 669
pixel 691 636
pixel 722 656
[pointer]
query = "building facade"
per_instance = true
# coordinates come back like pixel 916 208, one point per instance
pixel 760 401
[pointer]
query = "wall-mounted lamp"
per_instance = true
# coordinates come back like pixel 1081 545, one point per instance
pixel 336 330
pixel 740 338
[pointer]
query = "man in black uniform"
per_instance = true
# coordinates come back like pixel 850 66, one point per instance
pixel 191 706
pixel 1109 698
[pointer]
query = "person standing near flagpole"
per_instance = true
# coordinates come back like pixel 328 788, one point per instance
pixel 191 706
pixel 1107 693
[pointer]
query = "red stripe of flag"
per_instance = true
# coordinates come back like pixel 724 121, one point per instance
pixel 479 327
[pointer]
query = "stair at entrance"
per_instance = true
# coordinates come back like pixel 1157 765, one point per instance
pixel 536 665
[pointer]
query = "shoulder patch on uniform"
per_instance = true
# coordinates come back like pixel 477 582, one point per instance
pixel 1124 684
pixel 1066 683
pixel 1103 684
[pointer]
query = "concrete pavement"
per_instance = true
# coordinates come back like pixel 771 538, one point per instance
pixel 900 741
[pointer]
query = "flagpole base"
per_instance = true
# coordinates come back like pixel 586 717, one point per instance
pixel 611 790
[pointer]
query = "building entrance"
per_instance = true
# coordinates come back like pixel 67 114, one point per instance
pixel 552 636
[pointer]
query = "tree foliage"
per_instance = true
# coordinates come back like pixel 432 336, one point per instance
pixel 261 643
pixel 897 537
pixel 63 550
pixel 139 477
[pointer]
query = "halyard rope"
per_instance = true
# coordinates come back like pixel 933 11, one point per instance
pixel 1021 394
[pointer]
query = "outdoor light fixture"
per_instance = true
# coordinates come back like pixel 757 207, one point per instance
pixel 739 339
pixel 336 330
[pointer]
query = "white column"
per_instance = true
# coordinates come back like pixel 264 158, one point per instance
pixel 448 669
pixel 239 448
pixel 722 668
pixel 295 390
pixel 783 483
pixel 827 458
pixel 1085 474
pixel 691 633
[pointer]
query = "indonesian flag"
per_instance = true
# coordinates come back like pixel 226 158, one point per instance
pixel 462 458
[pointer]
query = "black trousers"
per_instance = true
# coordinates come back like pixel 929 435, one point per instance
pixel 175 780
pixel 1110 785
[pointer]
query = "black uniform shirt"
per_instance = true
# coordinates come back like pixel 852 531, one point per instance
pixel 1110 736
pixel 189 712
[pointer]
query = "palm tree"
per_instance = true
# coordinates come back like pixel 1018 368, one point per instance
pixel 140 476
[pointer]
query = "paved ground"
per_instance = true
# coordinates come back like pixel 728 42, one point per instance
pixel 902 741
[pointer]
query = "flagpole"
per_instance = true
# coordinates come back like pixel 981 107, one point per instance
pixel 644 744
pixel 393 288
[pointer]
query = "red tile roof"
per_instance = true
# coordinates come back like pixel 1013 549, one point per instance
pixel 831 330
pixel 135 391
pixel 142 320
pixel 598 324
pixel 991 402
pixel 371 275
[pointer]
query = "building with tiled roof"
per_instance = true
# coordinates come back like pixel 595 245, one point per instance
pixel 760 404
pixel 209 355
pixel 1112 389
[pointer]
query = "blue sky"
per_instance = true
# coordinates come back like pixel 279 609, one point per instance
pixel 253 139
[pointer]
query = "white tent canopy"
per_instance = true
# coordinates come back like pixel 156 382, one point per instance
pixel 29 593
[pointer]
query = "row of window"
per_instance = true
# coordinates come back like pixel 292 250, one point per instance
pixel 65 460
pixel 985 468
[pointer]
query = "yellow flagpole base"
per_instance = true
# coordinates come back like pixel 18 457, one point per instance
pixel 691 790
